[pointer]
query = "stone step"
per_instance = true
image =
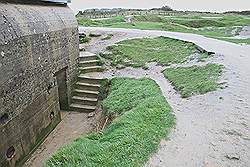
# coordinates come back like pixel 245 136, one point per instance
pixel 86 56
pixel 85 93
pixel 89 79
pixel 88 86
pixel 82 108
pixel 88 63
pixel 91 69
pixel 84 100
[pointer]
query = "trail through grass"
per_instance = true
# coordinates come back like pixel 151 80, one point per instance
pixel 195 79
pixel 220 27
pixel 144 118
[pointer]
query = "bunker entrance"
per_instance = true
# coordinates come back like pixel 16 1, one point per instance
pixel 62 89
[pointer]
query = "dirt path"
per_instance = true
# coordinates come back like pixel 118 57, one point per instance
pixel 212 130
pixel 72 126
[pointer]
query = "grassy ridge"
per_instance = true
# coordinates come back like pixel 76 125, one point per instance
pixel 137 52
pixel 224 21
pixel 144 119
pixel 194 80
pixel 103 23
pixel 237 41
pixel 222 26
pixel 199 23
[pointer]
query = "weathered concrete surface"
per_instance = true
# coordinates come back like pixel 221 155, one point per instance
pixel 212 130
pixel 36 42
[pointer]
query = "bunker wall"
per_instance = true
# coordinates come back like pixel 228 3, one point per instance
pixel 36 43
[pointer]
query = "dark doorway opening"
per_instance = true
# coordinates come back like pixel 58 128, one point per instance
pixel 62 89
pixel 4 118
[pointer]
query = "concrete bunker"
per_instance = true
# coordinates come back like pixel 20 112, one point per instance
pixel 38 63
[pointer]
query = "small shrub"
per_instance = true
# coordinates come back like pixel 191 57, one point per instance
pixel 84 39
pixel 92 34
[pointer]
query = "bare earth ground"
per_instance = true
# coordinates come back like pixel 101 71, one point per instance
pixel 72 126
pixel 212 130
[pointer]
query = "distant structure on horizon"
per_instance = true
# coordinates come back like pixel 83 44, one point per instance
pixel 247 12
pixel 109 12
pixel 165 10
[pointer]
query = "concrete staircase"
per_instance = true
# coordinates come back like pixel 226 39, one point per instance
pixel 86 89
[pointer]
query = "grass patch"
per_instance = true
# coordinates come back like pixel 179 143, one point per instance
pixel 147 25
pixel 194 80
pixel 103 90
pixel 144 119
pixel 94 34
pixel 147 18
pixel 100 23
pixel 136 52
pixel 84 39
pixel 234 40
pixel 224 21
pixel 203 57
pixel 198 23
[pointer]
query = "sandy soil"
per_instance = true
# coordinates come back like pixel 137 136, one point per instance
pixel 73 125
pixel 212 130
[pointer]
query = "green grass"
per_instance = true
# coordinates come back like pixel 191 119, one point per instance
pixel 218 31
pixel 148 18
pixel 225 21
pixel 198 23
pixel 136 52
pixel 144 119
pixel 194 80
pixel 84 39
pixel 220 27
pixel 103 23
pixel 203 57
pixel 221 33
pixel 237 41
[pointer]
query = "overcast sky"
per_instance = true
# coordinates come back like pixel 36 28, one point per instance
pixel 200 5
